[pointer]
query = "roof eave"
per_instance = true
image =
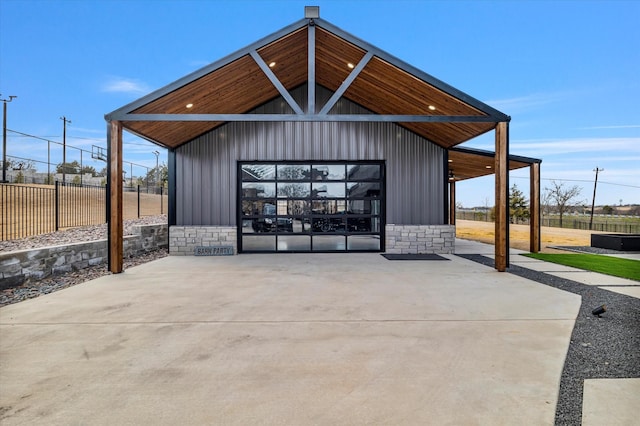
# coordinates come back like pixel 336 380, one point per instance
pixel 206 69
pixel 487 109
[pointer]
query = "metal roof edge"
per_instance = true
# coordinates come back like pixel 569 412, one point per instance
pixel 487 153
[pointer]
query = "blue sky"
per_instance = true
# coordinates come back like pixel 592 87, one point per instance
pixel 567 72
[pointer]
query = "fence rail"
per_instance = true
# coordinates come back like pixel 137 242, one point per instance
pixel 602 224
pixel 27 210
pixel 606 226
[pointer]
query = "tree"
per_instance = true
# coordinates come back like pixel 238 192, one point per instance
pixel 152 175
pixel 607 209
pixel 88 169
pixel 562 196
pixel 518 205
pixel 72 168
pixel 20 164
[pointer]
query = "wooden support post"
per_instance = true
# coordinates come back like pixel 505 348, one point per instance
pixel 502 196
pixel 115 198
pixel 452 202
pixel 534 205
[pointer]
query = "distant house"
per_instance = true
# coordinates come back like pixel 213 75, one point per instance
pixel 312 140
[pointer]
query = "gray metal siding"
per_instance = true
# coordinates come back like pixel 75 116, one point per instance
pixel 206 167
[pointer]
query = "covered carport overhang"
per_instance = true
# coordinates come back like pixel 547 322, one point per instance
pixel 469 163
pixel 312 52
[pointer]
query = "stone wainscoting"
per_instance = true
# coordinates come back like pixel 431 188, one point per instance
pixel 419 239
pixel 19 266
pixel 183 240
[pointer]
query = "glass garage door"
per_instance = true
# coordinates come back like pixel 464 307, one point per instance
pixel 311 206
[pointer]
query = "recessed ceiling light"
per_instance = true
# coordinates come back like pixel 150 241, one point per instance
pixel 272 64
pixel 451 161
pixel 487 167
pixel 350 65
pixel 189 105
pixel 432 108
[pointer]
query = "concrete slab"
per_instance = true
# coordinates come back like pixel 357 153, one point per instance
pixel 294 339
pixel 623 255
pixel 594 278
pixel 611 402
pixel 473 247
pixel 629 291
pixel 542 266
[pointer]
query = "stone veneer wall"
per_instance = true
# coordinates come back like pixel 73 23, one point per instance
pixel 19 266
pixel 183 240
pixel 415 239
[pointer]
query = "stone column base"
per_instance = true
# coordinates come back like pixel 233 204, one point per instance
pixel 419 239
pixel 183 240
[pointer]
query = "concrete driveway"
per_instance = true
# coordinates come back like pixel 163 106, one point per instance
pixel 288 339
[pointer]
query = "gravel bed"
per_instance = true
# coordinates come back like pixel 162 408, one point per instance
pixel 601 347
pixel 76 235
pixel 52 283
pixel 594 250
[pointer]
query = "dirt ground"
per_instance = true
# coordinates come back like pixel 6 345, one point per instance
pixel 519 235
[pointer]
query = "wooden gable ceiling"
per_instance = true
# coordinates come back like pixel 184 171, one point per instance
pixel 239 86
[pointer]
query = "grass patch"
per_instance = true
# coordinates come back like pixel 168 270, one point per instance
pixel 623 268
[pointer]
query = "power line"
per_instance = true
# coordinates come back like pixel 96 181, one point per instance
pixel 579 180
pixel 43 138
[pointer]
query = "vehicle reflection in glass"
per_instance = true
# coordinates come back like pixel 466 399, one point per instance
pixel 271 223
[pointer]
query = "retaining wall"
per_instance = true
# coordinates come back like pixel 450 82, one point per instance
pixel 19 266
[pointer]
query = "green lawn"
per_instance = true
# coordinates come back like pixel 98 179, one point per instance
pixel 623 268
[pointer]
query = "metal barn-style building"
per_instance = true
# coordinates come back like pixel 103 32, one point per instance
pixel 312 140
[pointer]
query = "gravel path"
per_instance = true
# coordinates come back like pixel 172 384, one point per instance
pixel 606 347
pixel 53 283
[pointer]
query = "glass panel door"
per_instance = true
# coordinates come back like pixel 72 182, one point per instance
pixel 311 206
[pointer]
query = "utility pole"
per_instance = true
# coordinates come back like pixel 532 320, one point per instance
pixel 593 202
pixel 4 136
pixel 64 147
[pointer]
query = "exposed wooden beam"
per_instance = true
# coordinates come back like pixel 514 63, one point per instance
pixel 502 196
pixel 534 205
pixel 116 227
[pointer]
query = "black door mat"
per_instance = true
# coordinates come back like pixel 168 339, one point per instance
pixel 427 256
